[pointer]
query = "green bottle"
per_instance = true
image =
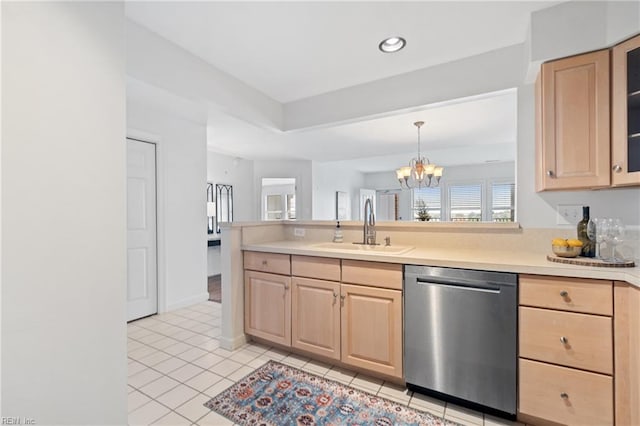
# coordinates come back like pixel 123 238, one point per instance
pixel 588 247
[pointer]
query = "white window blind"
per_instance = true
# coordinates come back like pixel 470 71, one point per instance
pixel 431 198
pixel 502 205
pixel 465 202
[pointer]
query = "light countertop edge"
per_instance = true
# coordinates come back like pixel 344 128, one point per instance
pixel 488 260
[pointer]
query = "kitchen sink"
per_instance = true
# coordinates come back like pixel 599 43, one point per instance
pixel 350 247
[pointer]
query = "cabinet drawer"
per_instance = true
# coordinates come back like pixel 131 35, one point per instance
pixel 565 395
pixel 567 294
pixel 267 262
pixel 322 268
pixel 376 274
pixel 587 339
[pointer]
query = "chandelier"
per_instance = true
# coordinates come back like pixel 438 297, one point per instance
pixel 420 172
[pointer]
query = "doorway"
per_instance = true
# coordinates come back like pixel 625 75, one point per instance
pixel 142 276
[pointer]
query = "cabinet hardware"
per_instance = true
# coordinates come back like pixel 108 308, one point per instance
pixel 564 293
pixel 617 168
pixel 564 340
pixel 342 297
pixel 564 395
pixel 286 287
pixel 264 263
pixel 335 297
pixel 550 173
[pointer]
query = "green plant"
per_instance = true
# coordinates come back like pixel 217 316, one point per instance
pixel 421 211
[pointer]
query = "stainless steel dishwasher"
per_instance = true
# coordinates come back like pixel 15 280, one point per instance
pixel 460 329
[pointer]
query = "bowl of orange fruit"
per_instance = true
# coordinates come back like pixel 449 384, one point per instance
pixel 570 247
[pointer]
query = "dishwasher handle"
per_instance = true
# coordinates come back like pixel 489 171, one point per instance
pixel 459 284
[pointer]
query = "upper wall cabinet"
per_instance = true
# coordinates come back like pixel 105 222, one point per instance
pixel 625 118
pixel 572 120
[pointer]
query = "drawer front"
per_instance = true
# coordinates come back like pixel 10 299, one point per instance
pixel 565 395
pixel 267 262
pixel 566 338
pixel 322 268
pixel 376 274
pixel 567 294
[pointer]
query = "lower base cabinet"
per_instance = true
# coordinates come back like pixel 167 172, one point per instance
pixel 267 306
pixel 372 328
pixel 565 395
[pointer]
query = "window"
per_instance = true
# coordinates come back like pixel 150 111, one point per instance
pixel 274 207
pixel 291 206
pixel 427 200
pixel 502 204
pixel 465 203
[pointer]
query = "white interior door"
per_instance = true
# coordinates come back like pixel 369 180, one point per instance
pixel 386 208
pixel 364 195
pixel 142 285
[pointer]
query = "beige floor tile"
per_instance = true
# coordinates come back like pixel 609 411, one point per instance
pixel 317 367
pixel 275 354
pixel 189 324
pixel 197 340
pixel 136 400
pixel 258 362
pixel 172 419
pixel 159 386
pixel 340 375
pixel 223 352
pixel 147 414
pixel 132 345
pixel 130 389
pixel 139 333
pixel 177 396
pixel 142 378
pixel 295 360
pixel 428 404
pixel 496 421
pixel 182 334
pixel 210 345
pixel 214 418
pixel 201 328
pixel 365 383
pixel 194 408
pixel 151 338
pixel 192 354
pixel 134 367
pixel 240 373
pixel 186 372
pixel 463 415
pixel 155 358
pixel 177 349
pixel 218 387
pixel 207 361
pixel 169 365
pixel 395 393
pixel 243 356
pixel 225 368
pixel 163 343
pixel 256 347
pixel 203 381
pixel 141 352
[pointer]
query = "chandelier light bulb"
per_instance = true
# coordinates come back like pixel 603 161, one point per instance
pixel 420 171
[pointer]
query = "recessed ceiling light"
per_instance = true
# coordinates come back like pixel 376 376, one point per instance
pixel 392 44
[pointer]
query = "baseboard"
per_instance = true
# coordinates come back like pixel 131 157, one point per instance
pixel 203 297
pixel 233 343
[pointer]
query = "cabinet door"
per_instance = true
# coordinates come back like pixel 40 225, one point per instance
pixel 372 328
pixel 573 125
pixel 625 113
pixel 315 316
pixel 267 306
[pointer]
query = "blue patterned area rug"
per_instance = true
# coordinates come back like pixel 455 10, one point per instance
pixel 277 394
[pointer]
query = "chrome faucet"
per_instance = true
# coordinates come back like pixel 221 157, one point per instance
pixel 369 230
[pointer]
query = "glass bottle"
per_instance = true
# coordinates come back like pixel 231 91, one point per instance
pixel 587 244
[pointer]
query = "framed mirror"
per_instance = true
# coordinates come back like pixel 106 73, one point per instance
pixel 224 204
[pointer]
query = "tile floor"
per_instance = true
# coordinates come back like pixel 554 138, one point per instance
pixel 176 365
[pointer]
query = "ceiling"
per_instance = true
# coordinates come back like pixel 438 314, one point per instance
pixel 294 50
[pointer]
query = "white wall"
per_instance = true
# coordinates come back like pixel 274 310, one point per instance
pixel 63 213
pixel 301 170
pixel 182 197
pixel 329 178
pixel 239 173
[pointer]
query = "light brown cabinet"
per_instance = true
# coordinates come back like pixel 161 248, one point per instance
pixel 372 328
pixel 625 113
pixel 566 351
pixel 267 306
pixel 344 310
pixel 572 120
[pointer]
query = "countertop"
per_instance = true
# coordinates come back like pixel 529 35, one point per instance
pixel 522 262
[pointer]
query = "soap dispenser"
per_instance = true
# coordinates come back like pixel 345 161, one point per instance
pixel 337 235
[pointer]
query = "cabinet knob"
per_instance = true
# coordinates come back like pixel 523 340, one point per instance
pixel 564 395
pixel 335 297
pixel 564 340
pixel 617 168
pixel 342 297
pixel 564 293
pixel 286 287
pixel 550 173
pixel 264 263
